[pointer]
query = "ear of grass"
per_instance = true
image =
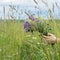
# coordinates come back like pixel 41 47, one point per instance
pixel 57 5
pixel 35 2
pixel 53 8
pixel 45 3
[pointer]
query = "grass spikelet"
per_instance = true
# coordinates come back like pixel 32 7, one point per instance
pixel 35 2
pixel 57 5
pixel 44 2
pixel 53 7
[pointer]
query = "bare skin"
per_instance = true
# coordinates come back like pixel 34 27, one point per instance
pixel 51 39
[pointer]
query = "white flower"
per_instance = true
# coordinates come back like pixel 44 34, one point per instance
pixel 34 38
pixel 0 49
pixel 38 43
pixel 17 53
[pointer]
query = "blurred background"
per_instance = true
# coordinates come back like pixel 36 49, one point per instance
pixel 15 9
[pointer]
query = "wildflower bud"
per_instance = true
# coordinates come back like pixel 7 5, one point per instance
pixel 26 25
pixel 32 18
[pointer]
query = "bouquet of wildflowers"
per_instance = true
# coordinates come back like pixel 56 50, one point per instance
pixel 36 25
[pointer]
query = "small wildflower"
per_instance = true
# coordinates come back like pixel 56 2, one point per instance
pixel 26 24
pixel 34 38
pixel 32 18
pixel 0 50
pixel 38 43
pixel 17 53
pixel 26 29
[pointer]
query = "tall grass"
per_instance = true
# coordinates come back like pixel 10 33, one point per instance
pixel 15 44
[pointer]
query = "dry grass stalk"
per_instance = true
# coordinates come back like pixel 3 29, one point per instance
pixel 35 2
pixel 57 5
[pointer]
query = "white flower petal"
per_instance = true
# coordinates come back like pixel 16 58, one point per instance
pixel 34 38
pixel 0 50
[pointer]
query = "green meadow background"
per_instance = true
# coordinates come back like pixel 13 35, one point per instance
pixel 16 44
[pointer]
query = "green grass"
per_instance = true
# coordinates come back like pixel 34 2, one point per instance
pixel 15 44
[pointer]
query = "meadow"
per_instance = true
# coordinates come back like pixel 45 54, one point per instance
pixel 16 44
